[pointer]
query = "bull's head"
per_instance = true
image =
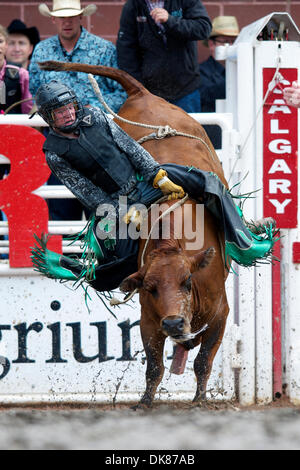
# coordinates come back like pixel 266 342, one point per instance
pixel 165 284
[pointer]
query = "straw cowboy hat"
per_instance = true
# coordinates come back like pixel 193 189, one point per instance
pixel 65 8
pixel 224 26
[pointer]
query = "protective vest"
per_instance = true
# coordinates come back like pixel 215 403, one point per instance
pixel 94 154
pixel 12 90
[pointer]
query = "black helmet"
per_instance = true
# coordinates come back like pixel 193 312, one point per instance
pixel 53 95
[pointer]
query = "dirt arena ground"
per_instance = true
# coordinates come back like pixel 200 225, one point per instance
pixel 176 426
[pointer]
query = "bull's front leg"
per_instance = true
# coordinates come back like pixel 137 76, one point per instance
pixel 153 341
pixel 211 342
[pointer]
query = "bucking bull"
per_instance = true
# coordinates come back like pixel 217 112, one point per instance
pixel 182 292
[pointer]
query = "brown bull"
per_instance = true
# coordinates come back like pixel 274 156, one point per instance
pixel 182 293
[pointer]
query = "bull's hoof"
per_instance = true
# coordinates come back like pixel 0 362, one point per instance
pixel 200 398
pixel 141 406
pixel 203 404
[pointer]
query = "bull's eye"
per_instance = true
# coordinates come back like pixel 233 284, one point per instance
pixel 188 283
pixel 151 289
pixel 154 292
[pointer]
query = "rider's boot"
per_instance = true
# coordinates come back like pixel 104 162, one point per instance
pixel 245 242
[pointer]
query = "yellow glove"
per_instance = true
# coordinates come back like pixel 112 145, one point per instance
pixel 133 216
pixel 167 186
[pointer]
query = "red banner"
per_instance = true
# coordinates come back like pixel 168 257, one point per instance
pixel 26 213
pixel 280 151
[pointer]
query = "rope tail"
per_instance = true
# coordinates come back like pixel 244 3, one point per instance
pixel 16 104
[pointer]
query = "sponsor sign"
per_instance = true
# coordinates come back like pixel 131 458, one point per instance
pixel 280 151
pixel 53 349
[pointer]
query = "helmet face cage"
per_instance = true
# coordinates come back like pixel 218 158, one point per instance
pixel 64 102
pixel 56 95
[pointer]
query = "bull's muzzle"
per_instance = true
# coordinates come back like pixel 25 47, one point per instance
pixel 173 326
pixel 179 330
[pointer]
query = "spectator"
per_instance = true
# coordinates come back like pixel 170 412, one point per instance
pixel 225 30
pixel 74 43
pixel 14 82
pixel 291 95
pixel 21 42
pixel 157 44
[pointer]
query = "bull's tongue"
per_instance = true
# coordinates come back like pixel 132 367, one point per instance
pixel 179 360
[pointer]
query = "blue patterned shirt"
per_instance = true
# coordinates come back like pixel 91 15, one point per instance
pixel 89 49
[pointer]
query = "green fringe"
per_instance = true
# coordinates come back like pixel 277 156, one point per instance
pixel 269 236
pixel 91 251
pixel 46 262
pixel 244 258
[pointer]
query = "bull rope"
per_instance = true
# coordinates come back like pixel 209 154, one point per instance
pixel 162 131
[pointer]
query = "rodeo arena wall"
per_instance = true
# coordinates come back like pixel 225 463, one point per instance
pixel 61 344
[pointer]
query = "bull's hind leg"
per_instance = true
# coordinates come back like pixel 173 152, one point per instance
pixel 211 342
pixel 154 345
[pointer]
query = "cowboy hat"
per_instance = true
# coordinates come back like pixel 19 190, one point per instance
pixel 18 27
pixel 223 26
pixel 65 8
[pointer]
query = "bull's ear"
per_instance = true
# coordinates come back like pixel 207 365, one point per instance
pixel 132 282
pixel 202 259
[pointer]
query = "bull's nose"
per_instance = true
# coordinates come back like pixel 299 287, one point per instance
pixel 173 326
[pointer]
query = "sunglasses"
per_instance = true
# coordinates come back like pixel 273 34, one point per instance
pixel 223 41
